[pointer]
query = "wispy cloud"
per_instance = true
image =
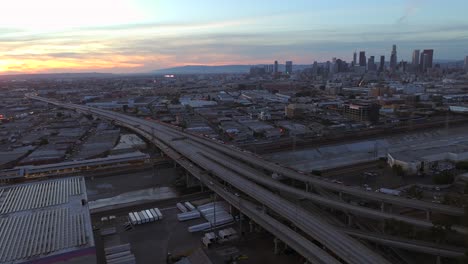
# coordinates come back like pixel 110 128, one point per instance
pixel 411 8
pixel 148 46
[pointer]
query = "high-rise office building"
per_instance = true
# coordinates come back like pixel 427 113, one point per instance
pixel 315 68
pixel 289 67
pixel 371 66
pixel 466 64
pixel 393 58
pixel 382 63
pixel 276 66
pixel 415 60
pixel 354 58
pixel 425 60
pixel 362 58
pixel 333 66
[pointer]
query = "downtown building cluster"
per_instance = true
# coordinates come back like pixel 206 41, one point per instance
pixel 421 62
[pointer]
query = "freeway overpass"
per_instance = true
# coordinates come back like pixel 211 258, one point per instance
pixel 194 152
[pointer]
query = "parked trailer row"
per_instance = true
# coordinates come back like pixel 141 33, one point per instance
pixel 145 216
pixel 120 254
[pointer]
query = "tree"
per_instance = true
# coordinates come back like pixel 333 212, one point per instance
pixel 44 141
pixel 438 233
pixel 398 170
pixel 462 165
pixel 444 177
pixel 175 100
pixel 415 192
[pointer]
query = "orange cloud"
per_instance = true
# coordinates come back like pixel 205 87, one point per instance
pixel 40 64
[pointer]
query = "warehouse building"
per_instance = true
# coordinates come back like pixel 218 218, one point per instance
pixel 431 157
pixel 46 222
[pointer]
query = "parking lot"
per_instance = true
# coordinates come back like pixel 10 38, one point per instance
pixel 151 242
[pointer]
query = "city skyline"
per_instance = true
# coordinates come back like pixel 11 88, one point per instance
pixel 141 36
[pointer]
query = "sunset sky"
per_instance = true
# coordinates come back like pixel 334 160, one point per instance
pixel 144 35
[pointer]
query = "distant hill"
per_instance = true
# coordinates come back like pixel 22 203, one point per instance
pixel 56 76
pixel 201 69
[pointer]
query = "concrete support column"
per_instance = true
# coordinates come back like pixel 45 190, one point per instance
pixel 382 207
pixel 428 215
pixel 340 194
pixel 350 220
pixel 251 226
pixel 438 261
pixel 276 241
pixel 240 224
pixel 307 187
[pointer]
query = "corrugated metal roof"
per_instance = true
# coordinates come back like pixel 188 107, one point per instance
pixel 37 195
pixel 42 219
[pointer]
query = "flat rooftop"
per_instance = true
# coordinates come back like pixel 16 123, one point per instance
pixel 44 219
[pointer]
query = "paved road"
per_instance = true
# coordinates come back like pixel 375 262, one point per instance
pixel 183 147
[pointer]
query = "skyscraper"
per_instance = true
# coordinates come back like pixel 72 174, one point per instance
pixel 393 58
pixel 371 66
pixel 425 60
pixel 362 58
pixel 354 58
pixel 315 68
pixel 276 66
pixel 415 60
pixel 382 63
pixel 289 66
pixel 466 64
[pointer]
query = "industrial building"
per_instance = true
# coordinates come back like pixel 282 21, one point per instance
pixel 436 156
pixel 46 222
pixel 362 111
pixel 77 166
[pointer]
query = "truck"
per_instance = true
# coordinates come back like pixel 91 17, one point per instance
pixel 389 191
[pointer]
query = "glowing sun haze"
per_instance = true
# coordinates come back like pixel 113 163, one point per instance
pixel 144 35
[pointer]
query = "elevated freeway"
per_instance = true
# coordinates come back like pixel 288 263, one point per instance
pixel 194 152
